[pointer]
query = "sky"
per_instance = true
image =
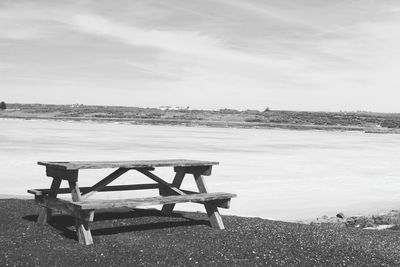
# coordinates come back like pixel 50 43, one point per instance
pixel 316 55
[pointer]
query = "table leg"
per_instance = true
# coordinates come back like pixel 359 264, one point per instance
pixel 168 208
pixel 212 210
pixel 82 220
pixel 45 213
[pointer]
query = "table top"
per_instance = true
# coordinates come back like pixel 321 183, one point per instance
pixel 76 165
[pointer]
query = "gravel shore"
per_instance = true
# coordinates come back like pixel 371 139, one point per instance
pixel 145 238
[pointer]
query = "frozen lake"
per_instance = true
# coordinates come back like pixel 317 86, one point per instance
pixel 281 174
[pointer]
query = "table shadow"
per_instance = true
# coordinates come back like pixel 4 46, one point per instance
pixel 65 223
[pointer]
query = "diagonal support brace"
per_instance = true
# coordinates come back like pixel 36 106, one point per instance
pixel 160 181
pixel 103 183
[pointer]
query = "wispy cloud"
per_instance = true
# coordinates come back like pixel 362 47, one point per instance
pixel 180 42
pixel 189 43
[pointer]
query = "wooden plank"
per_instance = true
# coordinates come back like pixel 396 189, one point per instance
pixel 203 170
pixel 75 191
pixel 82 227
pixel 160 181
pixel 76 165
pixel 62 174
pixel 148 201
pixel 100 185
pixel 177 182
pixel 211 208
pixel 220 203
pixel 74 209
pixel 66 207
pixel 214 216
pixel 39 192
pixel 45 213
pixel 62 205
pixel 201 185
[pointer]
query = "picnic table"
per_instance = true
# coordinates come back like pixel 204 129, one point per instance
pixel 82 209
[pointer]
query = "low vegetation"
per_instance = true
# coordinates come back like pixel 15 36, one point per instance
pixel 367 121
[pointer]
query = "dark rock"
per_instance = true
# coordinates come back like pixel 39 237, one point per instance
pixel 359 221
pixel 381 219
pixel 340 215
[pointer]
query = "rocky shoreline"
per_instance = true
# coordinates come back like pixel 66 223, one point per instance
pixel 382 221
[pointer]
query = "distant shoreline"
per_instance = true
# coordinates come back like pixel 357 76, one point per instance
pixel 214 124
pixel 290 120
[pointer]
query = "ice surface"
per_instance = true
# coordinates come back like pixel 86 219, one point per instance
pixel 281 174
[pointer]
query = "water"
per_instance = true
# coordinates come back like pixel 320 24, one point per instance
pixel 280 174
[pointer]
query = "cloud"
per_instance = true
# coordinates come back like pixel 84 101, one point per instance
pixel 180 42
pixel 188 43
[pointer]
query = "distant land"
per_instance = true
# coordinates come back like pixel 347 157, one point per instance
pixel 300 120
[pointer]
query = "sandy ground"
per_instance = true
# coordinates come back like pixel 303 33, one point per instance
pixel 145 238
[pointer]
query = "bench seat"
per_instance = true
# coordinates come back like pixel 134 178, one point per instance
pixel 72 207
pixel 39 192
pixel 149 201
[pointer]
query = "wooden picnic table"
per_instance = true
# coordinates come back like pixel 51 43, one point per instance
pixel 83 209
